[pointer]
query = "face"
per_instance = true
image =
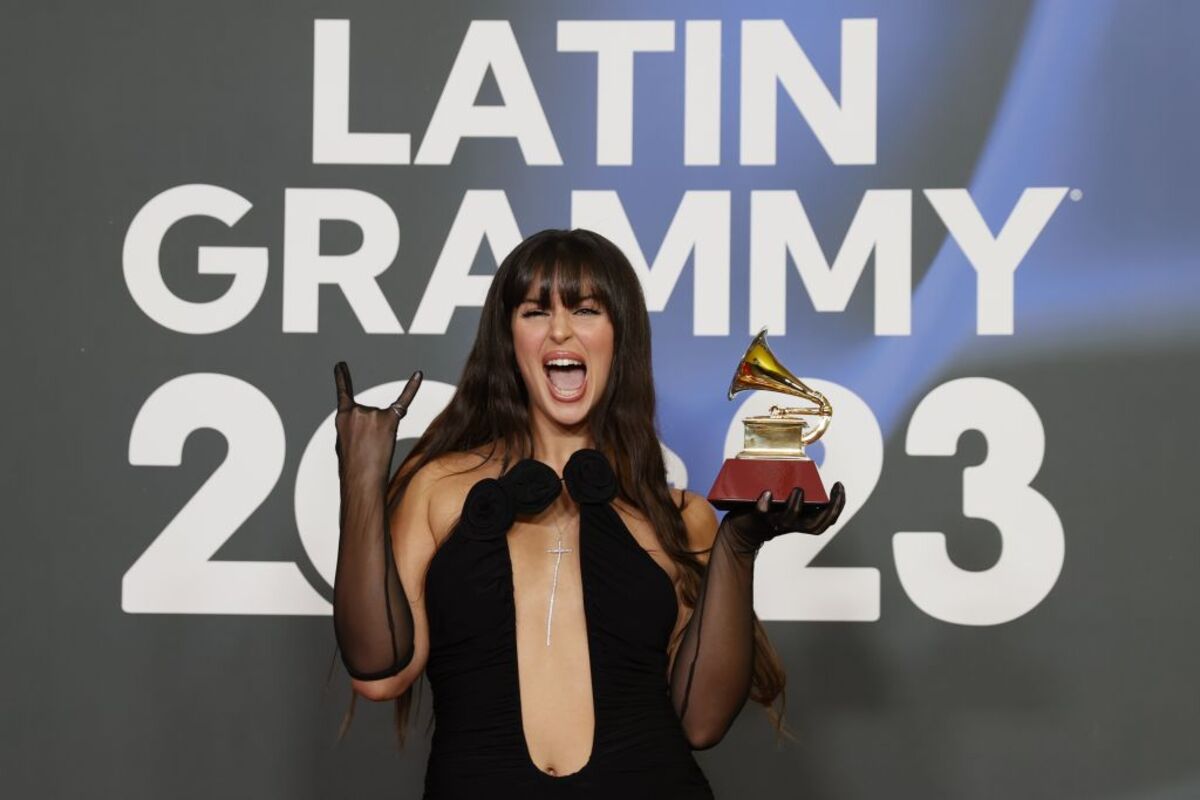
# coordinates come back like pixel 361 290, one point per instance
pixel 564 355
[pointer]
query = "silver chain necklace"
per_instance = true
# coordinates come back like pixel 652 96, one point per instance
pixel 557 551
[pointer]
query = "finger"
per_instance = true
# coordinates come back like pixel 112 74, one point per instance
pixel 789 518
pixel 829 514
pixel 823 516
pixel 764 501
pixel 345 388
pixel 823 519
pixel 840 500
pixel 409 391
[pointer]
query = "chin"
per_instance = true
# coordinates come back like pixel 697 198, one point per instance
pixel 566 414
pixel 567 417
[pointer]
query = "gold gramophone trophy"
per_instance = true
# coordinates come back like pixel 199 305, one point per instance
pixel 773 456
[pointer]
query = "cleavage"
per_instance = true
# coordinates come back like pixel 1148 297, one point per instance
pixel 555 683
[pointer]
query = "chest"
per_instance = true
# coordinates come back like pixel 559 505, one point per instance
pixel 547 576
pixel 554 539
pixel 556 579
pixel 528 536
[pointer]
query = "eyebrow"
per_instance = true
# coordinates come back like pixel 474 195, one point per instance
pixel 535 299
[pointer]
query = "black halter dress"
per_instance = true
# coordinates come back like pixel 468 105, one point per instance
pixel 479 749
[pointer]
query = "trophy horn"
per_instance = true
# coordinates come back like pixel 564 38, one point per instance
pixel 760 369
pixel 773 458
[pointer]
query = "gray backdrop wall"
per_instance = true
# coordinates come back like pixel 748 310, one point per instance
pixel 972 225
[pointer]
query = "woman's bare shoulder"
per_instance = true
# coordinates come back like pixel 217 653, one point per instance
pixel 474 464
pixel 699 518
pixel 444 482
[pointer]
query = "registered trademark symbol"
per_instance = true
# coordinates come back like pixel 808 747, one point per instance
pixel 1076 194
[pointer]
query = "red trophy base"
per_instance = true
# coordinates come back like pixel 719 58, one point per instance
pixel 742 480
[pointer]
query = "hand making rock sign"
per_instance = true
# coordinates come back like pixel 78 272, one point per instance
pixel 366 436
pixel 371 618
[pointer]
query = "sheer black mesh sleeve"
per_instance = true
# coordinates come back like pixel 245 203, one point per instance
pixel 711 675
pixel 714 666
pixel 371 615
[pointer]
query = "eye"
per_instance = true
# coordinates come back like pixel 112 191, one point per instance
pixel 532 312
pixel 588 310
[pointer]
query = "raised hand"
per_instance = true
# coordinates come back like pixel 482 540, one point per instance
pixel 371 615
pixel 366 436
pixel 747 529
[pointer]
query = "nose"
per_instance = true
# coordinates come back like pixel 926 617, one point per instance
pixel 560 324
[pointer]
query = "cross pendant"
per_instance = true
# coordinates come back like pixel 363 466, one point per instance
pixel 559 550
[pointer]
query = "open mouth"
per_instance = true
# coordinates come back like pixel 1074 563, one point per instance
pixel 567 377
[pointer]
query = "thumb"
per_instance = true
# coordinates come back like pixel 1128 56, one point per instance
pixel 345 388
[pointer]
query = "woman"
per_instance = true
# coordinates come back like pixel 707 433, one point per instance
pixel 553 616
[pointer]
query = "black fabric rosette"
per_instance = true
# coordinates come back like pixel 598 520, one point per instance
pixel 589 477
pixel 493 504
pixel 531 485
pixel 488 511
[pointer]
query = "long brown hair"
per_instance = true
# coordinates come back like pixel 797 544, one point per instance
pixel 491 407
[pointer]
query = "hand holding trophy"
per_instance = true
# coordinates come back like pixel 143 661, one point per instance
pixel 772 470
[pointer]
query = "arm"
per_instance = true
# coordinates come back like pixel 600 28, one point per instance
pixel 714 666
pixel 413 543
pixel 371 614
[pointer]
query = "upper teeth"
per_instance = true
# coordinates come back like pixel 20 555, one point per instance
pixel 563 362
